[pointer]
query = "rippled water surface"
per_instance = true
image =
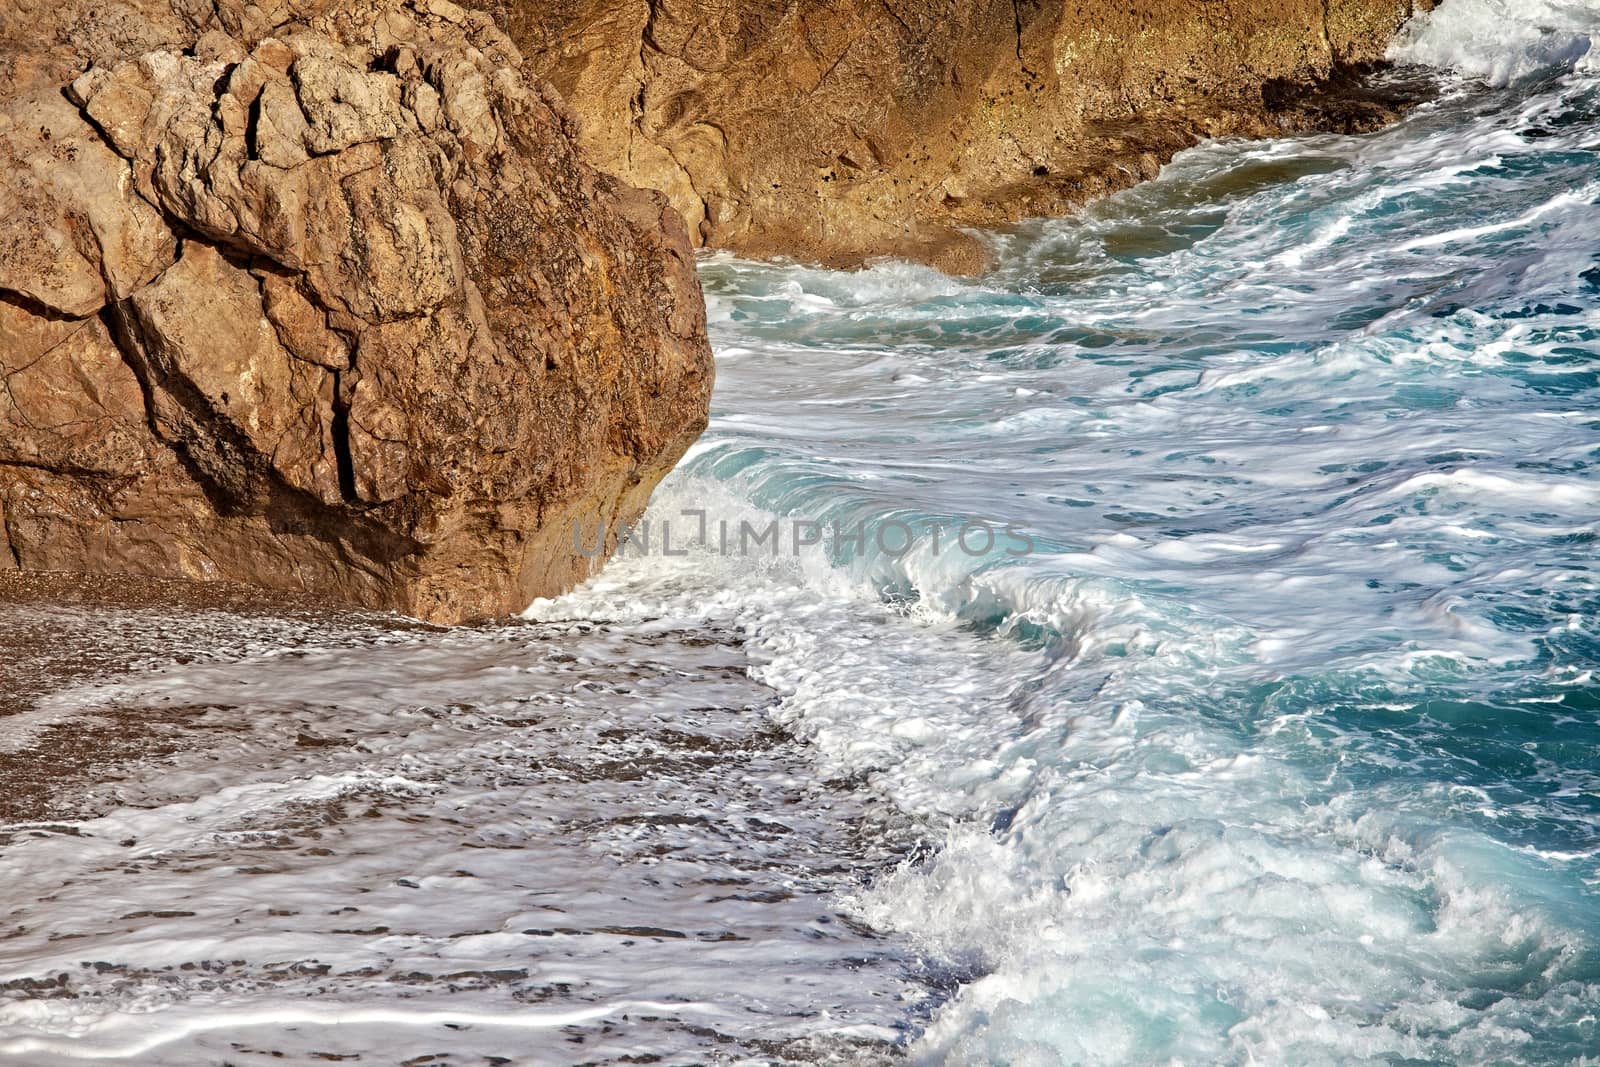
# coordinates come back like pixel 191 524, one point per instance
pixel 1281 745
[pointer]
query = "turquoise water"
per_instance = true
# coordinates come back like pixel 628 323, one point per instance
pixel 1283 744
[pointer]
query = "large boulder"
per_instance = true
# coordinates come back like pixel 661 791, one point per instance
pixel 319 294
pixel 836 130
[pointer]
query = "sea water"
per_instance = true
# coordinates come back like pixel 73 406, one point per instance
pixel 1264 730
pixel 1283 745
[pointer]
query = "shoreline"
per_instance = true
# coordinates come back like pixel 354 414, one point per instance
pixel 835 134
pixel 180 744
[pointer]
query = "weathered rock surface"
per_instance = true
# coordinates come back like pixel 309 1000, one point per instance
pixel 318 294
pixel 835 130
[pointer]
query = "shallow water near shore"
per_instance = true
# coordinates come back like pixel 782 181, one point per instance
pixel 338 838
pixel 1280 745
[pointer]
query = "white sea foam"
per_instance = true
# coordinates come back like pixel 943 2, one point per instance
pixel 1502 41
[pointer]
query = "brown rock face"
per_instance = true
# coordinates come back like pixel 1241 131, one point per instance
pixel 834 130
pixel 318 294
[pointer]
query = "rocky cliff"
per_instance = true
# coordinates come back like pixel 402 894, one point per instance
pixel 322 294
pixel 834 130
pixel 318 294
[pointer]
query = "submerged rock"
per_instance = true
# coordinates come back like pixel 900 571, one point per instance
pixel 319 294
pixel 836 130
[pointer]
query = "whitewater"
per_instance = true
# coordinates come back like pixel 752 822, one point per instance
pixel 1279 744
